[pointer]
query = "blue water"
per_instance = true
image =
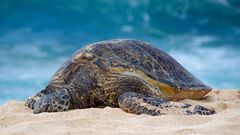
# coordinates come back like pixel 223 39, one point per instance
pixel 36 37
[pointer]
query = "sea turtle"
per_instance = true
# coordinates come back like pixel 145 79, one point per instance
pixel 130 74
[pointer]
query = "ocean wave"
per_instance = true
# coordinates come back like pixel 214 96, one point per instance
pixel 36 37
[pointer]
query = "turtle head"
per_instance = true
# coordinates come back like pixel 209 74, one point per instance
pixel 58 101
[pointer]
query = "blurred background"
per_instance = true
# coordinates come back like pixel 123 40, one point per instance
pixel 37 36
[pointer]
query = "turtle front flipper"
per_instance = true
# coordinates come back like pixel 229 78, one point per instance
pixel 136 103
pixel 58 101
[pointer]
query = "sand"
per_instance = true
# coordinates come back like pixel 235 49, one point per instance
pixel 16 119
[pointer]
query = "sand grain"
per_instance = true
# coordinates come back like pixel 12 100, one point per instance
pixel 16 119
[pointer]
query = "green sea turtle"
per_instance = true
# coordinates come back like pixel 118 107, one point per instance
pixel 130 74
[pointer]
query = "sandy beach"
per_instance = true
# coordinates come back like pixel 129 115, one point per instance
pixel 16 119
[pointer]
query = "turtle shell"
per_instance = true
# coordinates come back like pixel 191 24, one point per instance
pixel 138 57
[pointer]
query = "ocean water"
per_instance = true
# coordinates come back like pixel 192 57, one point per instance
pixel 36 37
